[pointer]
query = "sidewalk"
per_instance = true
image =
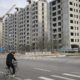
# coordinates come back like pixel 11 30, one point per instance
pixel 2 56
pixel 40 55
pixel 34 55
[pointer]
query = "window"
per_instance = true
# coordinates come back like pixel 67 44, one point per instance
pixel 54 8
pixel 27 16
pixel 27 13
pixel 54 19
pixel 54 25
pixel 42 13
pixel 54 36
pixel 36 3
pixel 27 37
pixel 42 17
pixel 27 33
pixel 71 3
pixel 77 34
pixel 42 4
pixel 59 6
pixel 72 33
pixel 42 25
pixel 59 12
pixel 71 9
pixel 60 41
pixel 59 23
pixel 77 40
pixel 58 1
pixel 76 16
pixel 27 20
pixel 77 28
pixel 54 2
pixel 71 15
pixel 54 14
pixel 59 29
pixel 59 18
pixel 27 29
pixel 59 35
pixel 54 30
pixel 76 5
pixel 72 40
pixel 27 42
pixel 71 27
pixel 76 10
pixel 42 8
pixel 71 21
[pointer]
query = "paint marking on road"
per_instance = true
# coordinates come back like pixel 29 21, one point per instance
pixel 61 77
pixel 42 69
pixel 18 78
pixel 10 76
pixel 45 78
pixel 78 73
pixel 72 75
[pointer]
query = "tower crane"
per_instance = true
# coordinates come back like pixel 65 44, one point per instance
pixel 1 18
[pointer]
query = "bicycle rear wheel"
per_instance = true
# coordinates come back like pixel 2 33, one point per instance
pixel 13 78
pixel 3 76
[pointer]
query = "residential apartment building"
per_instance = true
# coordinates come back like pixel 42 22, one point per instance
pixel 0 34
pixel 27 27
pixel 39 23
pixel 10 30
pixel 65 24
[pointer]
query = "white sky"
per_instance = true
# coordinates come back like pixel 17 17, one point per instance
pixel 5 5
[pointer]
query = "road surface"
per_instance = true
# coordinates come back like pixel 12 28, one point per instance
pixel 63 68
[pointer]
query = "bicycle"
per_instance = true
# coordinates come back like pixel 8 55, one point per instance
pixel 8 72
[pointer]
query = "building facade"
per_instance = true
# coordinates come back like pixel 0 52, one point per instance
pixel 65 24
pixel 0 34
pixel 10 32
pixel 27 27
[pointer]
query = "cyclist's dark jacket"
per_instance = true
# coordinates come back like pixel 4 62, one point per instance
pixel 9 58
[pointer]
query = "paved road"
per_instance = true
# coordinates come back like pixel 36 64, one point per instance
pixel 47 68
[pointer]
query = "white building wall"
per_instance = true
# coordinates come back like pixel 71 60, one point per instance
pixel 70 31
pixel 65 24
pixel 0 34
pixel 76 22
pixel 22 26
pixel 39 31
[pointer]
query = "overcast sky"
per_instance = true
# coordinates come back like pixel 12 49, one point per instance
pixel 5 5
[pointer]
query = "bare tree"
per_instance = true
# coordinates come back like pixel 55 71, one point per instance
pixel 42 43
pixel 52 45
pixel 21 48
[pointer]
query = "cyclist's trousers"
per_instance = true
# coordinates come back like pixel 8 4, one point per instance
pixel 10 65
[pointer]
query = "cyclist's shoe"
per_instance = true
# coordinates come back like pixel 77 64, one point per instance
pixel 13 75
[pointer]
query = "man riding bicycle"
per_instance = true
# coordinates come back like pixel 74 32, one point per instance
pixel 9 62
